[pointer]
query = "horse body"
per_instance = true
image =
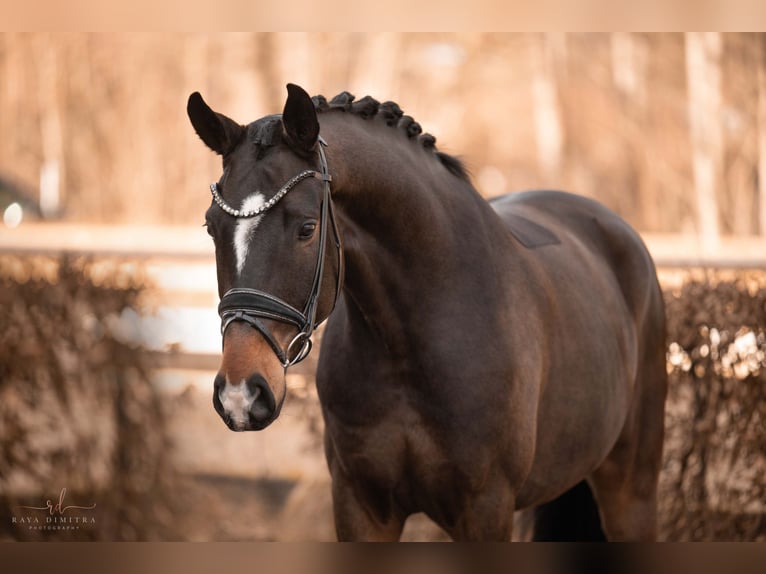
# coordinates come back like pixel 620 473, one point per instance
pixel 473 367
pixel 603 319
pixel 474 372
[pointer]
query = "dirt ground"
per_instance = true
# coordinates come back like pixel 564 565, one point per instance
pixel 274 485
pixel 255 486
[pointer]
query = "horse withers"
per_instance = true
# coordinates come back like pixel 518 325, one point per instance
pixel 478 358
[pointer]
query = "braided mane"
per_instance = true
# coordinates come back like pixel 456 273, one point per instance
pixel 368 108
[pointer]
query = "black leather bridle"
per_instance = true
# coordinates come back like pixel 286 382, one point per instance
pixel 251 305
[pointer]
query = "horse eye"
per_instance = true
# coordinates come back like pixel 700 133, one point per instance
pixel 307 230
pixel 208 228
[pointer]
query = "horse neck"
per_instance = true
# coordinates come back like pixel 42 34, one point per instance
pixel 416 237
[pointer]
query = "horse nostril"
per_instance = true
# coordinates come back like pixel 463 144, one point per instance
pixel 218 384
pixel 260 411
pixel 264 404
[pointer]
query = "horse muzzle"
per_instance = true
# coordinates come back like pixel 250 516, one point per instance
pixel 247 406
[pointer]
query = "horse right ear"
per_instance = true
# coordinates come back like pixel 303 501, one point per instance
pixel 300 119
pixel 220 134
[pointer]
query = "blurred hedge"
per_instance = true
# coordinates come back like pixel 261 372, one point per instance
pixel 77 410
pixel 713 484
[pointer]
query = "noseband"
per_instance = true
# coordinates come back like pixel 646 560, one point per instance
pixel 251 305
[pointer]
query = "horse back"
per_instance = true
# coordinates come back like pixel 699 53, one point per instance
pixel 540 218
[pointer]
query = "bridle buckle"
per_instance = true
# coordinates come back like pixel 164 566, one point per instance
pixel 304 340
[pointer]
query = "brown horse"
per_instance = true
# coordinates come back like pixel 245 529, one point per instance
pixel 479 358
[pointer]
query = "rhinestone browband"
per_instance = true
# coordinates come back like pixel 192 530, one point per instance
pixel 271 202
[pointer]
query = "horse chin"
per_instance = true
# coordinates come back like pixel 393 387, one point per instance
pixel 248 426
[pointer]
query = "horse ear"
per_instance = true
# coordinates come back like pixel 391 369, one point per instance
pixel 300 118
pixel 220 134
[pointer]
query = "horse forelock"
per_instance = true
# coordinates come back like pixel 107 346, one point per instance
pixel 265 132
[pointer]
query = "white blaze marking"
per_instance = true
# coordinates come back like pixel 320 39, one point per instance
pixel 245 227
pixel 236 401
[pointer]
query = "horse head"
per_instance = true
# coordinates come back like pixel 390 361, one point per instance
pixel 271 220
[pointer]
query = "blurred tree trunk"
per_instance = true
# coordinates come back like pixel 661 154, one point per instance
pixel 703 74
pixel 762 132
pixel 196 167
pixel 549 131
pixel 296 60
pixel 630 56
pixel 46 55
pixel 377 69
pixel 19 115
pixel 251 98
pixel 629 66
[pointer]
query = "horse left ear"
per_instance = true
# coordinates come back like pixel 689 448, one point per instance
pixel 300 119
pixel 220 133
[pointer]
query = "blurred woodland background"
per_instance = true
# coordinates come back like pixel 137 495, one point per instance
pixel 668 129
pixel 102 394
